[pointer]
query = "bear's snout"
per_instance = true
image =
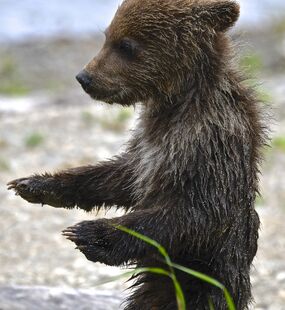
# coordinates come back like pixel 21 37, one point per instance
pixel 85 79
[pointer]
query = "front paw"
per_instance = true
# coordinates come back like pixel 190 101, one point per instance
pixel 39 189
pixel 28 188
pixel 95 239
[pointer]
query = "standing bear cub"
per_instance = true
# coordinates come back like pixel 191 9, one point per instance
pixel 189 175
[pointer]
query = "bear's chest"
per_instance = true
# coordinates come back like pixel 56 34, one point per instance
pixel 158 165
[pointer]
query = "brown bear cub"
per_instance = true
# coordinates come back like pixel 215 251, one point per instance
pixel 189 175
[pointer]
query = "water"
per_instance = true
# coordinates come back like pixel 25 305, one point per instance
pixel 21 19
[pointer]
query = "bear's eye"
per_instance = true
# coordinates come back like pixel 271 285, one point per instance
pixel 127 48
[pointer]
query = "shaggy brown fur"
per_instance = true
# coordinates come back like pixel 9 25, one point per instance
pixel 189 176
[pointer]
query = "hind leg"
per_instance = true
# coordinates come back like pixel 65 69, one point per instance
pixel 156 292
pixel 153 292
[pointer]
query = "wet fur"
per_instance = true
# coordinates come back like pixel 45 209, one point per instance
pixel 189 175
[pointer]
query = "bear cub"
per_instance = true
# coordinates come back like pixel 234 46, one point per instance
pixel 189 175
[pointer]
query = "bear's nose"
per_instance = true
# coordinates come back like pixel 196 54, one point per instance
pixel 84 78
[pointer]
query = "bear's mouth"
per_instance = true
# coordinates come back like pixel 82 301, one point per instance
pixel 101 94
pixel 114 97
pixel 108 96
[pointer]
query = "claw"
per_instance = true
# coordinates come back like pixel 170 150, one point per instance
pixel 11 186
pixel 71 238
pixel 18 181
pixel 17 184
pixel 81 247
pixel 11 183
pixel 69 234
pixel 69 230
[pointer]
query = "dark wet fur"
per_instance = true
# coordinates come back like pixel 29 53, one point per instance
pixel 189 176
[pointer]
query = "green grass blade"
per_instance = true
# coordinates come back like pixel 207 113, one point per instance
pixel 181 303
pixel 211 305
pixel 229 300
pixel 209 280
pixel 199 275
pixel 137 271
pixel 178 290
pixel 147 240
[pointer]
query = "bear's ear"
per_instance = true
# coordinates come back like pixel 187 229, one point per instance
pixel 219 14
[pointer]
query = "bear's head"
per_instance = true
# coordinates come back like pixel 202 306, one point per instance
pixel 154 47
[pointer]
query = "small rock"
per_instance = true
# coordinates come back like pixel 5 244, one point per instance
pixel 281 276
pixel 45 298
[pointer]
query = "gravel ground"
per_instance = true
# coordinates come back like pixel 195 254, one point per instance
pixel 32 250
pixel 54 298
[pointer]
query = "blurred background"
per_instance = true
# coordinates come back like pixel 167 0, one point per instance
pixel 47 123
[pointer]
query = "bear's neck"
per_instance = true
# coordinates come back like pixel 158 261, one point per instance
pixel 200 92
